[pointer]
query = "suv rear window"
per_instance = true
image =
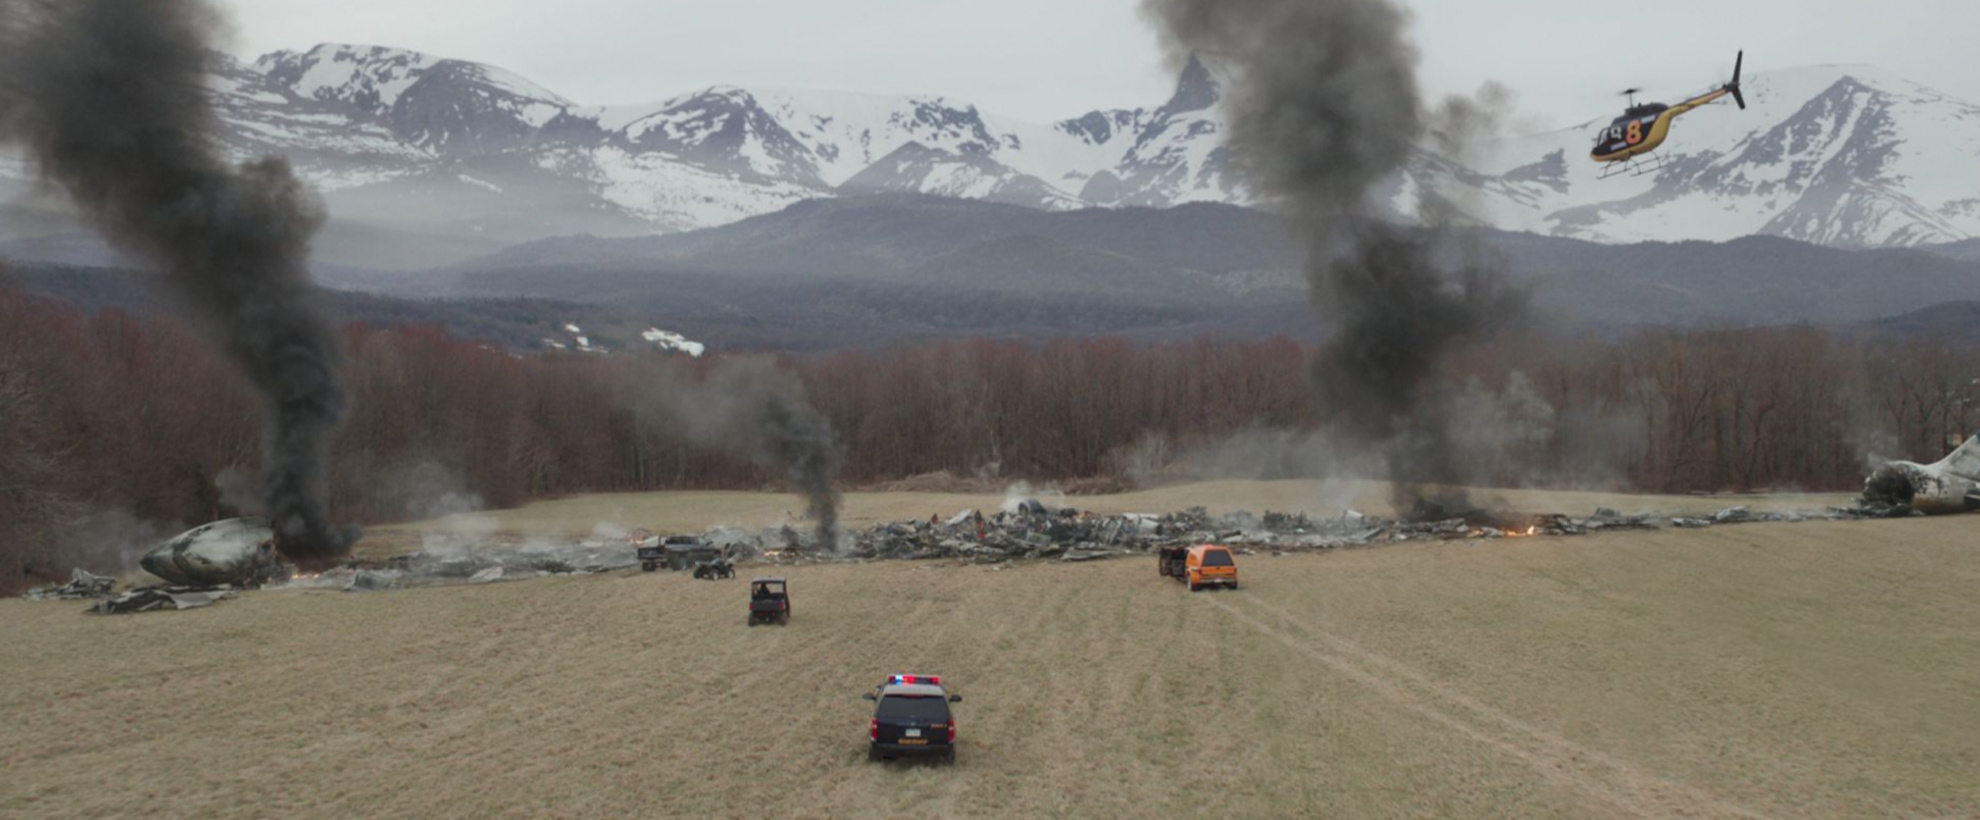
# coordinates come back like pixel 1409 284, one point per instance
pixel 1216 558
pixel 914 707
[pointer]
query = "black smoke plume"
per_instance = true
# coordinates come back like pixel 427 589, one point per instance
pixel 751 406
pixel 1323 106
pixel 108 97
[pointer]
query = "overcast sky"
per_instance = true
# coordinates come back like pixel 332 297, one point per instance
pixel 1045 60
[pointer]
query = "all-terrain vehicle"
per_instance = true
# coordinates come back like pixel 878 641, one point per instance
pixel 769 602
pixel 911 719
pixel 1199 566
pixel 717 569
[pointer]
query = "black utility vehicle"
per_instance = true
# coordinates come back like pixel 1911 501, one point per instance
pixel 768 602
pixel 911 719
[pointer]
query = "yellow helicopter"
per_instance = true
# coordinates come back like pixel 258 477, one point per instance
pixel 1642 128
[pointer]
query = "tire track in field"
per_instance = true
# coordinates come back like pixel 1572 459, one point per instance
pixel 1555 758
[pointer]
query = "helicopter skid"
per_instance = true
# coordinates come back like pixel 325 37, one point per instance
pixel 1636 166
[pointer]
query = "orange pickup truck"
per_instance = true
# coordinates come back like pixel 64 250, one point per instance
pixel 1199 566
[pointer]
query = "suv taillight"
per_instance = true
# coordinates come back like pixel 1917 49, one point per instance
pixel 952 730
pixel 873 730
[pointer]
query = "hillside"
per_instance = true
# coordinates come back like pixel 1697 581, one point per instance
pixel 878 270
pixel 1965 249
pixel 864 270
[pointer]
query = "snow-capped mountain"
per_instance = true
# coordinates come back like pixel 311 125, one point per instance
pixel 1848 156
pixel 426 160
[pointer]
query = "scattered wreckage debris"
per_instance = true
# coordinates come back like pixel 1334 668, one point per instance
pixel 463 563
pixel 238 549
pixel 82 584
pixel 85 585
pixel 1903 488
pixel 1032 532
pixel 145 599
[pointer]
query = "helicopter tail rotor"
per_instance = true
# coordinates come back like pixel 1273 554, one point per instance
pixel 1738 63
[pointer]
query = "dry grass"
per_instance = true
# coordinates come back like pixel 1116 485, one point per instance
pixel 1811 670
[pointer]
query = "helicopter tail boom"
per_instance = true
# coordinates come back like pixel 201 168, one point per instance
pixel 1738 63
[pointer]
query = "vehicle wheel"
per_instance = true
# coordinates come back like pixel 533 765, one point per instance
pixel 872 754
pixel 784 619
pixel 752 620
pixel 646 566
pixel 1193 586
pixel 949 757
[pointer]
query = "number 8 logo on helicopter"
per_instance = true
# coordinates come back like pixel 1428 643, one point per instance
pixel 1634 134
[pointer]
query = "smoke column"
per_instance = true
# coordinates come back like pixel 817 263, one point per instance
pixel 750 406
pixel 108 97
pixel 1323 106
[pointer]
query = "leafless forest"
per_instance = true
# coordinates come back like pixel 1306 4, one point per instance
pixel 107 415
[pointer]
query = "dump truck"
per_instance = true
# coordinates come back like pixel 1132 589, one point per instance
pixel 1200 566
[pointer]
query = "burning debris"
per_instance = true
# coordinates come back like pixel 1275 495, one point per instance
pixel 752 407
pixel 237 548
pixel 109 99
pixel 1324 107
pixel 1072 535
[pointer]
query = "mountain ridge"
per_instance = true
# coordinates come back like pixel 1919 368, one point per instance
pixel 1203 268
pixel 455 159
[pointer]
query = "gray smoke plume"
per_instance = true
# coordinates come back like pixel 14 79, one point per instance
pixel 108 97
pixel 1323 107
pixel 749 405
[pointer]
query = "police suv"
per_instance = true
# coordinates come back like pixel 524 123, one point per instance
pixel 911 719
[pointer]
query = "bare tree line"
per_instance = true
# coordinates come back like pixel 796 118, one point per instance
pixel 111 412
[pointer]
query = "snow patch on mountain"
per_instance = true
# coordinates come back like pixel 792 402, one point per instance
pixel 669 340
pixel 674 195
pixel 1843 155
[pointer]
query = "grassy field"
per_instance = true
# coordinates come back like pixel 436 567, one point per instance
pixel 1793 670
